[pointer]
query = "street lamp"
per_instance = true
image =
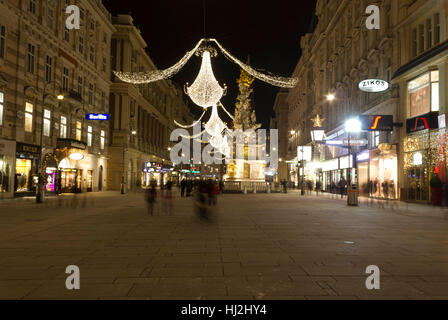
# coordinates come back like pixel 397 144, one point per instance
pixel 40 183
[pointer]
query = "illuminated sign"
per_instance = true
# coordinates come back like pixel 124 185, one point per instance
pixel 377 123
pixel 94 116
pixel 424 122
pixel 373 85
pixel 353 142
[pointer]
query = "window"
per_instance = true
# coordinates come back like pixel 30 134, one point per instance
pixel 80 86
pixel 92 24
pixel 32 6
pixel 104 64
pixel 103 100
pixel 437 28
pixel 31 57
pixel 2 41
pixel 49 69
pixel 50 17
pixel 29 117
pixel 92 53
pixel 428 33
pixel 414 43
pixel 421 35
pixel 102 139
pixel 105 37
pixel 375 138
pixel 78 130
pixel 424 94
pixel 47 122
pixel 63 128
pixel 81 45
pixel 65 79
pixel 89 136
pixel 66 35
pixel 2 102
pixel 91 93
pixel 81 13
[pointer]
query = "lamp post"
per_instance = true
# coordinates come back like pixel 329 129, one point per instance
pixel 40 183
pixel 351 125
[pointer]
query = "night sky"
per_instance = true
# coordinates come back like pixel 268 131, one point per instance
pixel 269 32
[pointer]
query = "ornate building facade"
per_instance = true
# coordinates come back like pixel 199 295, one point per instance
pixel 50 79
pixel 339 54
pixel 142 116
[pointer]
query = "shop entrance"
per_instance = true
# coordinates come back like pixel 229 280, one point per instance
pixel 100 179
pixel 71 180
pixel 89 181
pixel 418 184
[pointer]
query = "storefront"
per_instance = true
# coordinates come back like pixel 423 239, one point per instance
pixel 157 173
pixel 334 170
pixel 26 166
pixel 7 159
pixel 378 172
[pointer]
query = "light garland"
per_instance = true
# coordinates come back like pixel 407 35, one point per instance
pixel 271 79
pixel 205 91
pixel 157 75
pixel 194 123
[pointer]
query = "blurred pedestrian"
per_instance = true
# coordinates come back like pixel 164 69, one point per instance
pixel 151 196
pixel 183 185
pixel 168 199
pixel 342 185
pixel 318 187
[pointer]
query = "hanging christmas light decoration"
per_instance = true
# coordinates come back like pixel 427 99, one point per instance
pixel 157 75
pixel 215 126
pixel 206 91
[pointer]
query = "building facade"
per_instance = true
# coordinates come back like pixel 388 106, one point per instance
pixel 50 79
pixel 339 54
pixel 142 116
pixel 278 122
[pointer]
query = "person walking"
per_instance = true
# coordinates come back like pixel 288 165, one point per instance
pixel 318 187
pixel 183 185
pixel 342 185
pixel 151 196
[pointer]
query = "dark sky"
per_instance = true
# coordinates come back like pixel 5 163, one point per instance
pixel 267 31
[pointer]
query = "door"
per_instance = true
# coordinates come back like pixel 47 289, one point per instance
pixel 418 184
pixel 100 179
pixel 89 181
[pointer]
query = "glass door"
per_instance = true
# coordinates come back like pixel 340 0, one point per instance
pixel 89 181
pixel 418 184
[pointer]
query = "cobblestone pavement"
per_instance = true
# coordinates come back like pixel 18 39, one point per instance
pixel 276 246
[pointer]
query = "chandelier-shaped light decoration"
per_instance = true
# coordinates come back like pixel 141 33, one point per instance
pixel 215 126
pixel 205 90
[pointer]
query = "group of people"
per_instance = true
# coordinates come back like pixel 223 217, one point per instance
pixel 167 198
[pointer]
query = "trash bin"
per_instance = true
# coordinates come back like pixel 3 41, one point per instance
pixel 353 194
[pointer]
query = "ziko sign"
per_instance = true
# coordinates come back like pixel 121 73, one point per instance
pixel 373 85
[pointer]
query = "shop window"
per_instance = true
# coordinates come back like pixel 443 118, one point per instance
pixel 23 171
pixel 47 122
pixel 2 102
pixel 29 117
pixel 89 136
pixel 2 41
pixel 5 174
pixel 102 139
pixel 78 130
pixel 424 94
pixel 63 127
